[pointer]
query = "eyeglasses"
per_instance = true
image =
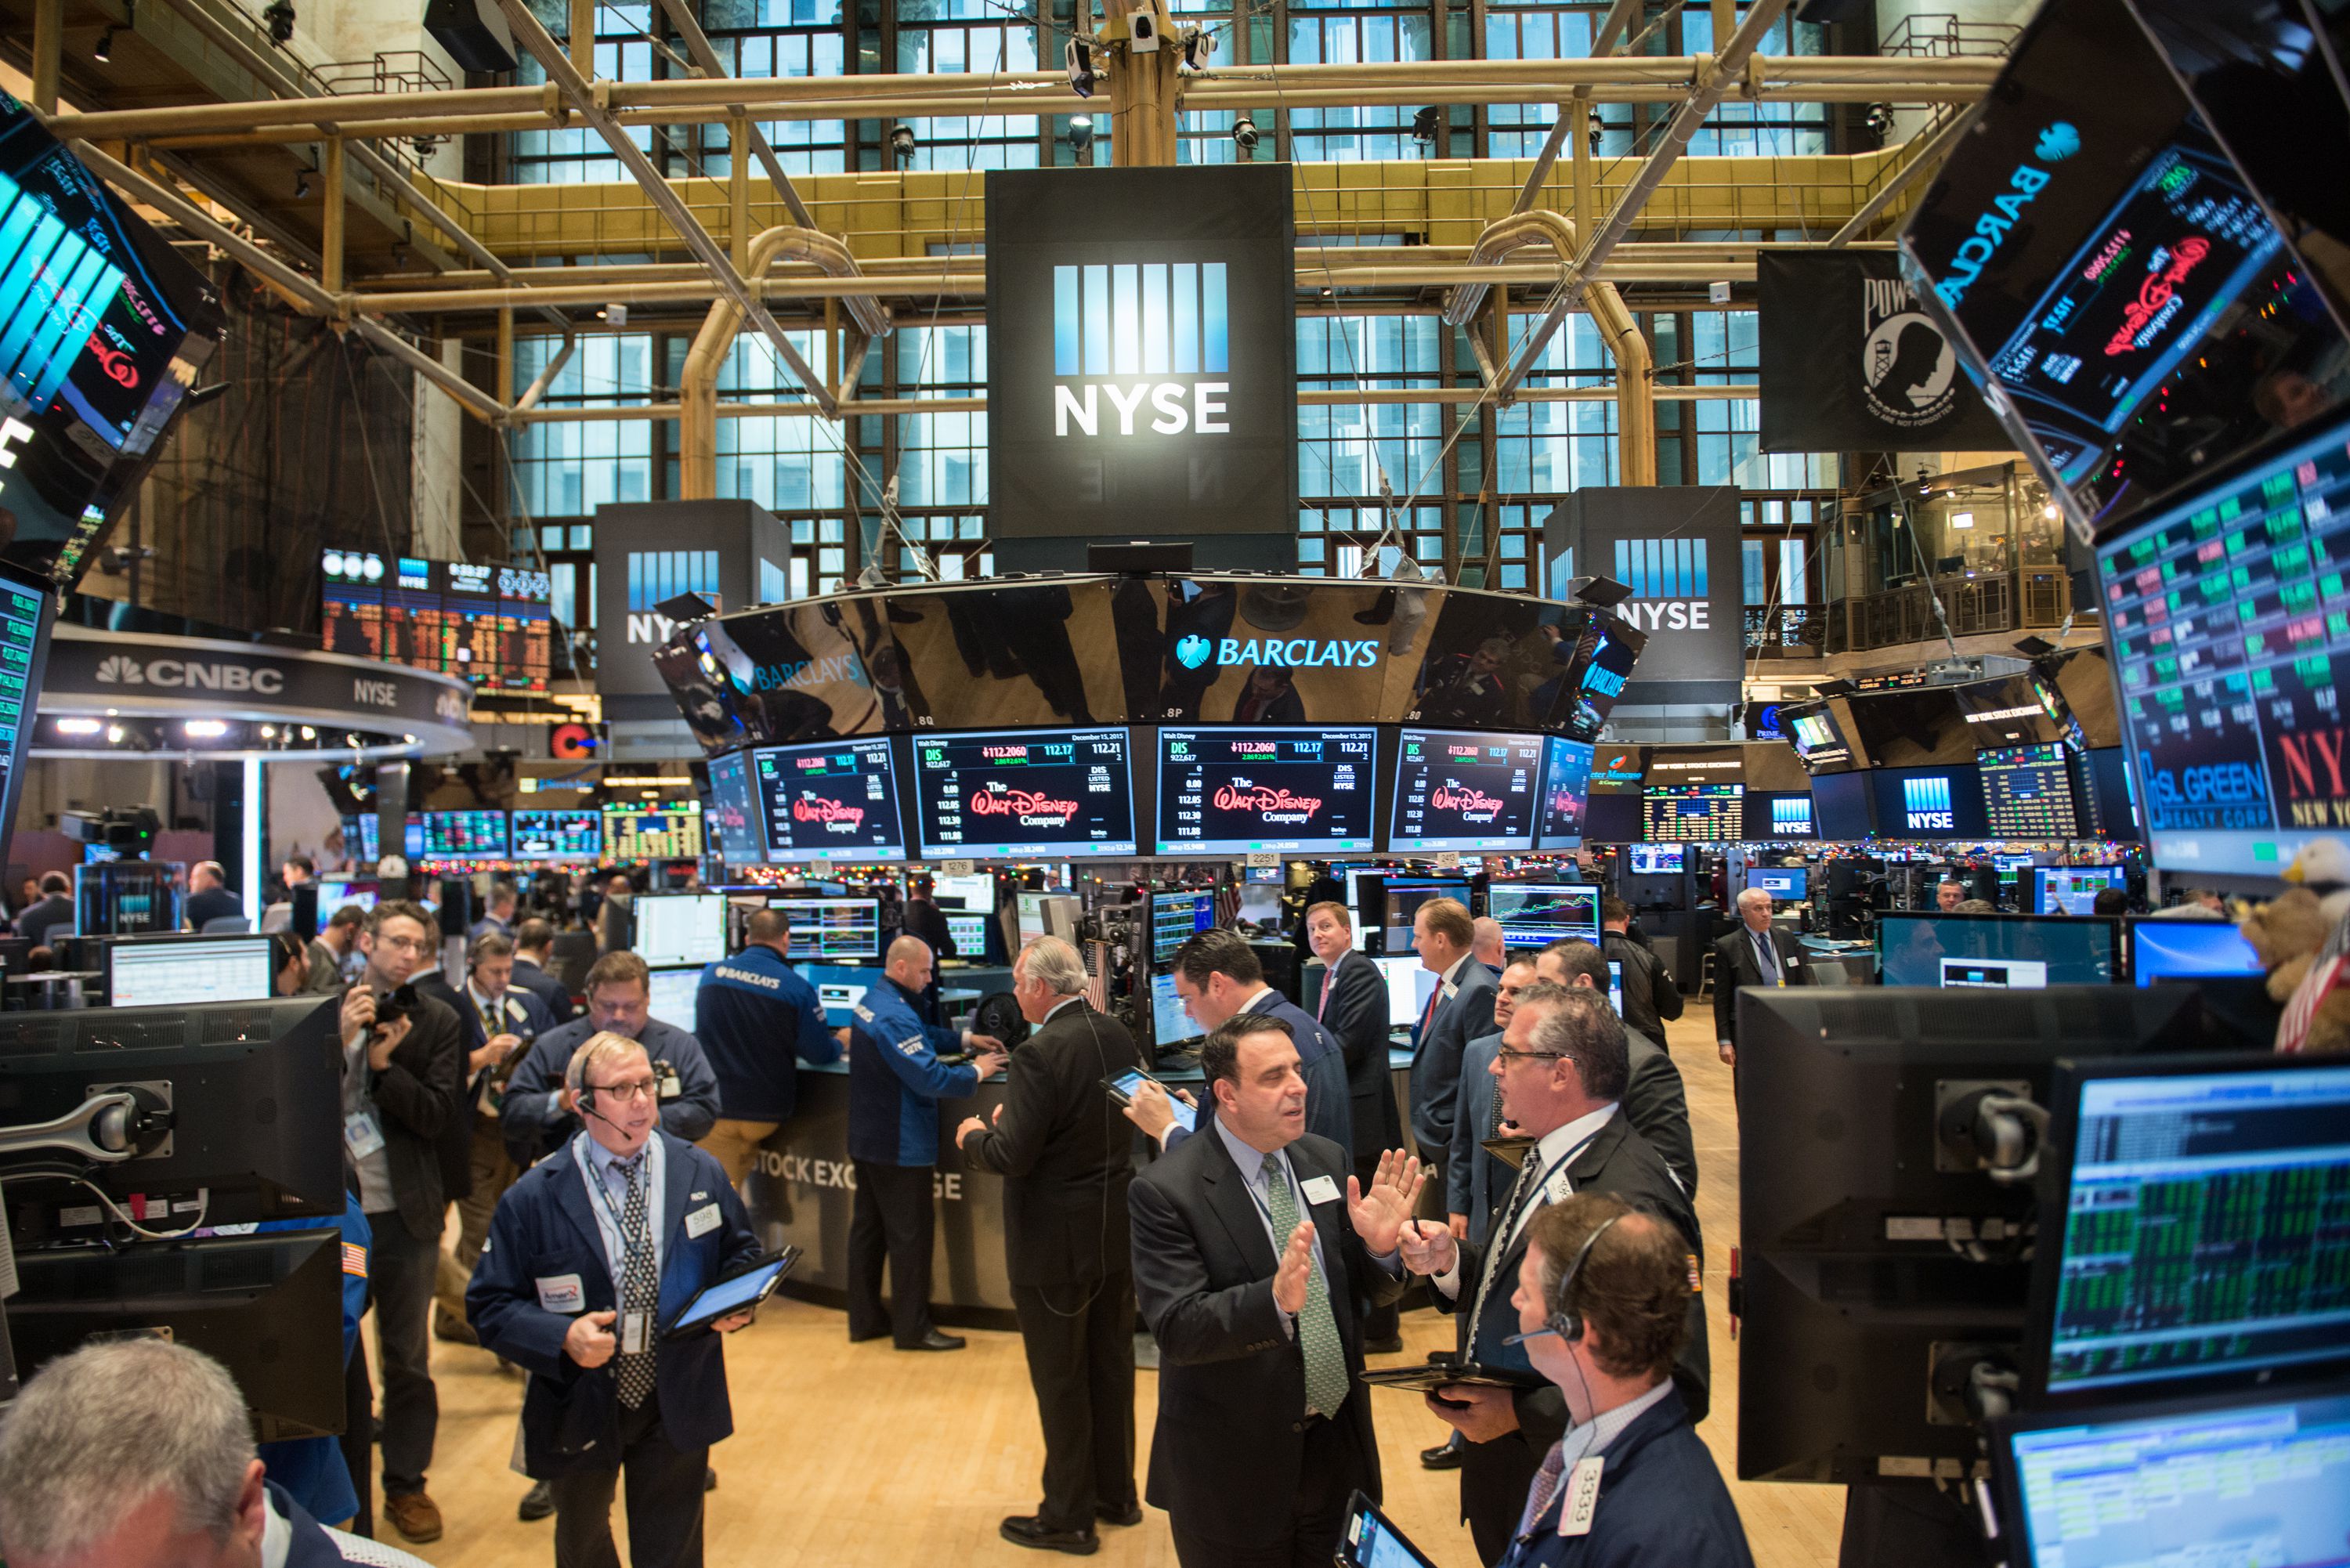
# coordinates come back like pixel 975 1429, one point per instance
pixel 635 1089
pixel 1507 1054
pixel 405 944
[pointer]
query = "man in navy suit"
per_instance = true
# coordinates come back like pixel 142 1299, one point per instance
pixel 1353 1007
pixel 591 1253
pixel 1459 1008
pixel 1219 978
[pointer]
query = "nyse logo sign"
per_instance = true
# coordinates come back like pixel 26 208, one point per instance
pixel 1670 583
pixel 1141 349
pixel 1926 803
pixel 656 576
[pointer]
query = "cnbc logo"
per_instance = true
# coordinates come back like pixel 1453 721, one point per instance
pixel 1134 345
pixel 1926 803
pixel 1669 583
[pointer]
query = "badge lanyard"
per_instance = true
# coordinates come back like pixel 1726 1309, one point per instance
pixel 633 1336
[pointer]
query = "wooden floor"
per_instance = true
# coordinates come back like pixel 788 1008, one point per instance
pixel 857 1455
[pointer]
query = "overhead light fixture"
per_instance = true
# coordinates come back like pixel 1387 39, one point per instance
pixel 204 729
pixel 1603 593
pixel 308 733
pixel 1081 137
pixel 2052 511
pixel 1244 134
pixel 1878 119
pixel 1077 60
pixel 104 51
pixel 114 734
pixel 903 143
pixel 279 16
pixel 269 731
pixel 301 184
pixel 1423 128
pixel 614 313
pixel 78 726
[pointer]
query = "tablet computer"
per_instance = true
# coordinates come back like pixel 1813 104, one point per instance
pixel 1371 1540
pixel 1428 1377
pixel 736 1293
pixel 1124 1087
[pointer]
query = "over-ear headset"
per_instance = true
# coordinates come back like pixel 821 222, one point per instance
pixel 1565 1322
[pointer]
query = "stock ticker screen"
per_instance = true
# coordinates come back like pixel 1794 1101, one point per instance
pixel 2230 628
pixel 835 801
pixel 1693 813
pixel 567 834
pixel 731 821
pixel 1029 792
pixel 2027 791
pixel 1461 790
pixel 1229 792
pixel 668 832
pixel 465 835
pixel 492 625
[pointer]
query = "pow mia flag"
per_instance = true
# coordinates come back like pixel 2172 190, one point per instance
pixel 1850 363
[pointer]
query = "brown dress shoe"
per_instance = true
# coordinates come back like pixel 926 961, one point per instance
pixel 449 1326
pixel 415 1515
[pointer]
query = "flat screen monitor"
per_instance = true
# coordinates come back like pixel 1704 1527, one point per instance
pixel 27 609
pixel 2070 889
pixel 1018 794
pixel 1029 916
pixel 838 988
pixel 666 832
pixel 731 820
pixel 1533 914
pixel 1840 804
pixel 2222 612
pixel 969 934
pixel 1693 812
pixel 2248 1478
pixel 334 895
pixel 2202 1203
pixel 2183 950
pixel 1779 814
pixel 1171 1021
pixel 1253 789
pixel 1410 985
pixel 1616 985
pixel 1657 859
pixel 180 974
pixel 1785 884
pixel 1566 790
pixel 2018 952
pixel 673 994
pixel 677 928
pixel 1929 803
pixel 834 930
pixel 975 894
pixel 837 801
pixel 363 840
pixel 465 835
pixel 1458 789
pixel 1403 896
pixel 573 833
pixel 1174 917
pixel 2027 791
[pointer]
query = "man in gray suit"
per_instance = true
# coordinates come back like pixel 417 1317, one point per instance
pixel 1218 976
pixel 1473 1178
pixel 1654 1101
pixel 1460 1008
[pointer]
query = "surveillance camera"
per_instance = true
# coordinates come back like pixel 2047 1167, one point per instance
pixel 1078 61
pixel 1142 31
pixel 1244 134
pixel 1198 45
pixel 901 143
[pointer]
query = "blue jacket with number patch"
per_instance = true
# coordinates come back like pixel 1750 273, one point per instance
pixel 758 1019
pixel 896 1079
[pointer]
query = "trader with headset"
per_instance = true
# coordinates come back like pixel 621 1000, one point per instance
pixel 1601 1298
pixel 592 1253
pixel 1067 1160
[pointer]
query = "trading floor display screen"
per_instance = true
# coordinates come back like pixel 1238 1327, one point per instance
pixel 1534 913
pixel 674 995
pixel 465 835
pixel 2207 1228
pixel 1566 794
pixel 675 928
pixel 184 974
pixel 2016 952
pixel 1015 793
pixel 670 832
pixel 1461 790
pixel 1176 917
pixel 1693 813
pixel 833 929
pixel 24 650
pixel 2070 889
pixel 492 625
pixel 576 834
pixel 837 801
pixel 2027 791
pixel 1231 791
pixel 733 825
pixel 2231 646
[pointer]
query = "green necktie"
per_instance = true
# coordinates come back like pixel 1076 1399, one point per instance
pixel 1317 1331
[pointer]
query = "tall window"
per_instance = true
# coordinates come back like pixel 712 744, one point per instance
pixel 979 36
pixel 1346 33
pixel 568 470
pixel 780 38
pixel 578 155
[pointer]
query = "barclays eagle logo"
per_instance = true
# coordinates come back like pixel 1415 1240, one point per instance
pixel 1192 651
pixel 2058 142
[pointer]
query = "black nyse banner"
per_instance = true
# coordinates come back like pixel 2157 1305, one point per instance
pixel 1141 352
pixel 1677 548
pixel 1850 363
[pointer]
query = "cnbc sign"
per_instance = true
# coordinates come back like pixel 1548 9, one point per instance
pixel 1141 352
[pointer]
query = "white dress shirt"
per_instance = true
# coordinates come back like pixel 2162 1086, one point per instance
pixel 599 1165
pixel 1552 1149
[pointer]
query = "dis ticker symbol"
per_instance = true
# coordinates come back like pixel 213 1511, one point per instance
pixel 2058 142
pixel 1192 651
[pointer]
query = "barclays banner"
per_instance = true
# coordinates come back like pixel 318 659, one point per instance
pixel 1141 352
pixel 1678 549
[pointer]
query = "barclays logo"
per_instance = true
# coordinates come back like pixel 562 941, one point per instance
pixel 2058 142
pixel 807 672
pixel 1194 651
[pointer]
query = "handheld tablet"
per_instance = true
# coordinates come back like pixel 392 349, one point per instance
pixel 1372 1540
pixel 1124 1087
pixel 736 1293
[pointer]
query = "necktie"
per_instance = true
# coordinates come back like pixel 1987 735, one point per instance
pixel 639 1285
pixel 1765 959
pixel 1324 1000
pixel 1428 1018
pixel 1317 1331
pixel 1545 1487
pixel 1497 1241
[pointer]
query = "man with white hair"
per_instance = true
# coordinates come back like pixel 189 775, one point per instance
pixel 1756 953
pixel 137 1454
pixel 1488 943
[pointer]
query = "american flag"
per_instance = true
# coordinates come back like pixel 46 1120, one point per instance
pixel 2325 971
pixel 355 1259
pixel 1097 961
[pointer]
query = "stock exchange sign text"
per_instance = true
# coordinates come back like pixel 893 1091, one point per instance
pixel 1119 328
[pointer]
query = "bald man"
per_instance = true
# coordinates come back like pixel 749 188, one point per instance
pixel 895 1081
pixel 208 895
pixel 1487 943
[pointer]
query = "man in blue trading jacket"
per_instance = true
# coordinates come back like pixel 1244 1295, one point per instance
pixel 895 1084
pixel 757 1021
pixel 592 1253
pixel 1602 1296
pixel 537 1114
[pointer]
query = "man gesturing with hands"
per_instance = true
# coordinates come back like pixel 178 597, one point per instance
pixel 1250 1242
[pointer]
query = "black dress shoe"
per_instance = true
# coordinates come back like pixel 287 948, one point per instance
pixel 934 1340
pixel 1390 1345
pixel 1027 1530
pixel 862 1338
pixel 1443 1456
pixel 1129 1514
pixel 536 1503
pixel 709 1478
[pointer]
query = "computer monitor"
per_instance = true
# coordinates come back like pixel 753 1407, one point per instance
pixel 2179 950
pixel 1029 916
pixel 1785 884
pixel 1023 794
pixel 834 930
pixel 838 988
pixel 467 835
pixel 1860 1147
pixel 208 1067
pixel 673 994
pixel 1616 985
pixel 1175 917
pixel 677 928
pixel 2243 1478
pixel 1400 898
pixel 969 933
pixel 1410 985
pixel 333 896
pixel 1170 1022
pixel 975 894
pixel 574 834
pixel 2072 889
pixel 1533 914
pixel 2202 1205
pixel 176 974
pixel 1657 859
pixel 2018 952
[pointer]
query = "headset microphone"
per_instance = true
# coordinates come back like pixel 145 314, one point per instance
pixel 1567 1322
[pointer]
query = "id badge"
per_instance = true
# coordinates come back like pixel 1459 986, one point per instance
pixel 362 1136
pixel 635 1333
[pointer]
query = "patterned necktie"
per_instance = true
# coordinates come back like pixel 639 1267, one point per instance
pixel 1545 1487
pixel 1765 959
pixel 1498 1241
pixel 1317 1331
pixel 1323 1002
pixel 639 1284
